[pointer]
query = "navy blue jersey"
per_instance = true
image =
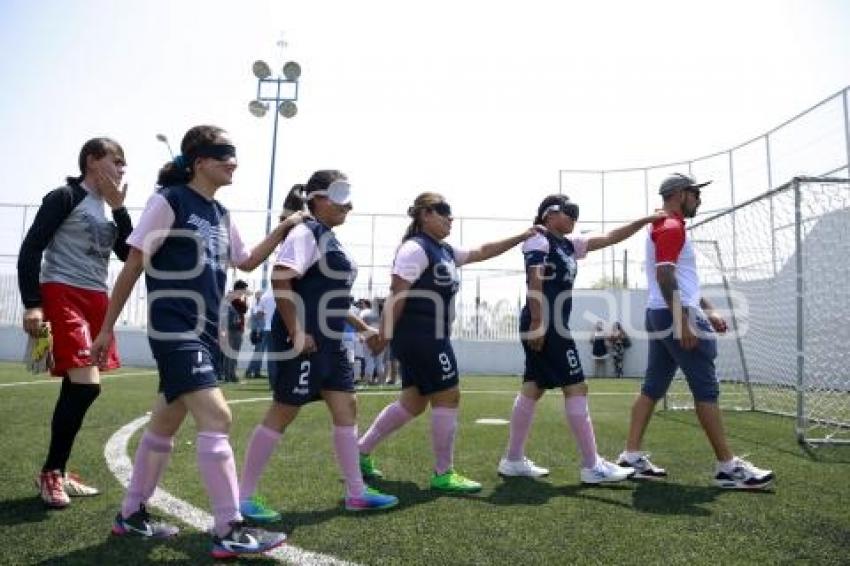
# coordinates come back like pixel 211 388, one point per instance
pixel 186 275
pixel 558 257
pixel 431 300
pixel 325 288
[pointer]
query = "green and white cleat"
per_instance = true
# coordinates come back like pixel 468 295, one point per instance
pixel 368 469
pixel 452 482
pixel 256 510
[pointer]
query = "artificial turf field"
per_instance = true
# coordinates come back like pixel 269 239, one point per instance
pixel 804 519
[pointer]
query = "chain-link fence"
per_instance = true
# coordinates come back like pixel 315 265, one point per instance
pixel 782 283
pixel 814 143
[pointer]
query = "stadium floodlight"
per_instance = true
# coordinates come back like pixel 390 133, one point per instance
pixel 287 109
pixel 283 95
pixel 261 69
pixel 292 71
pixel 258 108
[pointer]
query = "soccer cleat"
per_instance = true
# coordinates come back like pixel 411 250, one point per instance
pixel 605 472
pixel 256 510
pixel 244 540
pixel 524 467
pixel 644 469
pixel 51 486
pixel 368 469
pixel 371 500
pixel 743 476
pixel 142 524
pixel 452 482
pixel 75 487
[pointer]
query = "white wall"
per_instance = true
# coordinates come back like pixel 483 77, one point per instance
pixel 473 357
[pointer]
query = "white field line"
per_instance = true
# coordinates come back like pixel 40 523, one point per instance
pixel 58 381
pixel 119 464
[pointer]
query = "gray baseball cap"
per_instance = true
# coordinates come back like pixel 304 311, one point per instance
pixel 678 181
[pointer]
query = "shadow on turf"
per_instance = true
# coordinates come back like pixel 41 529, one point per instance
pixel 186 548
pixel 23 510
pixel 528 491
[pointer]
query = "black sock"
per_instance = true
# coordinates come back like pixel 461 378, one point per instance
pixel 74 400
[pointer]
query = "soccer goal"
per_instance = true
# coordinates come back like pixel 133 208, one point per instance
pixel 778 267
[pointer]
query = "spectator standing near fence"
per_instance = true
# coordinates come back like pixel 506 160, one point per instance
pixel 234 324
pixel 75 238
pixel 599 349
pixel 620 342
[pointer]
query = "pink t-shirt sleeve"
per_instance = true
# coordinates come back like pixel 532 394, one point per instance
pixel 299 250
pixel 154 225
pixel 579 245
pixel 410 261
pixel 238 251
pixel 461 256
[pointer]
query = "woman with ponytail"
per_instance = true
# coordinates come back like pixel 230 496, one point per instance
pixel 551 358
pixel 185 242
pixel 68 290
pixel 416 319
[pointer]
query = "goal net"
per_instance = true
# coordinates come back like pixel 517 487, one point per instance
pixel 777 267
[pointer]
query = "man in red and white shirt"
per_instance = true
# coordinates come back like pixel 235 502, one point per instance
pixel 681 327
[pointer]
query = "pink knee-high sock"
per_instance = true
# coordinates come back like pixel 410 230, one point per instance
pixel 521 418
pixel 443 427
pixel 390 419
pixel 260 449
pixel 218 469
pixel 151 458
pixel 348 459
pixel 578 418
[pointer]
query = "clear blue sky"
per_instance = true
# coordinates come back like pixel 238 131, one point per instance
pixel 483 101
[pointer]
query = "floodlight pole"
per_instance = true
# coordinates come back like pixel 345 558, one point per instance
pixel 278 109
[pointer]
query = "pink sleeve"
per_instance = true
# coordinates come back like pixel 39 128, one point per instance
pixel 579 245
pixel 461 256
pixel 299 250
pixel 410 261
pixel 238 252
pixel 154 225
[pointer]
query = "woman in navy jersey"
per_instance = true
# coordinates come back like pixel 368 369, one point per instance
pixel 312 279
pixel 185 242
pixel 551 358
pixel 417 318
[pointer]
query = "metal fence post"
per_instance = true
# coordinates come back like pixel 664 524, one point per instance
pixel 734 223
pixel 846 128
pixel 798 248
pixel 770 201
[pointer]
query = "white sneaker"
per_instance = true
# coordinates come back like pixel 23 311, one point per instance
pixel 524 467
pixel 75 487
pixel 742 476
pixel 643 467
pixel 605 472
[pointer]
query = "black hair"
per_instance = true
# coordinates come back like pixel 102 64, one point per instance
pixel 239 285
pixel 97 148
pixel 423 202
pixel 546 203
pixel 181 170
pixel 294 201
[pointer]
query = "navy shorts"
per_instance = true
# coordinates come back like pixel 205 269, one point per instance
pixel 186 370
pixel 556 365
pixel 425 362
pixel 666 355
pixel 300 380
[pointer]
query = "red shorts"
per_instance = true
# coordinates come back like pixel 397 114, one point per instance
pixel 75 316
